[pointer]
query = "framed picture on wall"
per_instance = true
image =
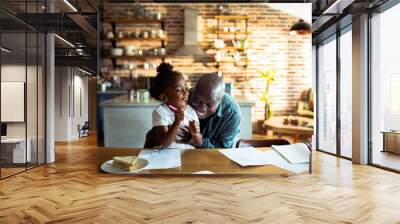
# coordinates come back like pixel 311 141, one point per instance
pixel 12 101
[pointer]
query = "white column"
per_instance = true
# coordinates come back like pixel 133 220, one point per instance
pixel 314 88
pixel 50 100
pixel 360 90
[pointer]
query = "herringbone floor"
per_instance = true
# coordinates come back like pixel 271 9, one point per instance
pixel 72 191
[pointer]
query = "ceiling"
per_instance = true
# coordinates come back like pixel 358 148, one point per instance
pixel 72 20
pixel 76 21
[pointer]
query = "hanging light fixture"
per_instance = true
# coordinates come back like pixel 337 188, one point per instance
pixel 5 49
pixel 301 28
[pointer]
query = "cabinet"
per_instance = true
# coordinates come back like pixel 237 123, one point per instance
pixel 231 43
pixel 391 141
pixel 14 151
pixel 137 46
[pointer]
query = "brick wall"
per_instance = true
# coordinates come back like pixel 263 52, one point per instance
pixel 270 45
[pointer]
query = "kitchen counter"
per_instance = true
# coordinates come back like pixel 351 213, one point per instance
pixel 113 92
pixel 126 122
pixel 123 101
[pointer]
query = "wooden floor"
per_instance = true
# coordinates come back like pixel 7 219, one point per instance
pixel 72 191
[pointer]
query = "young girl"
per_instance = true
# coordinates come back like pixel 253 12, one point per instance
pixel 174 113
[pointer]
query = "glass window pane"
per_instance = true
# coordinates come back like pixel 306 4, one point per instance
pixel 327 96
pixel 385 82
pixel 346 94
pixel 31 97
pixel 14 152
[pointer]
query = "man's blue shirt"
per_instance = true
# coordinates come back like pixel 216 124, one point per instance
pixel 222 129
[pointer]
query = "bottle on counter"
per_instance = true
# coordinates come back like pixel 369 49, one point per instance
pixel 132 94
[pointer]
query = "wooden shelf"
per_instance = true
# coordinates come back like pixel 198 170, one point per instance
pixel 137 39
pixel 228 35
pixel 120 41
pixel 144 57
pixel 231 48
pixel 138 72
pixel 232 17
pixel 227 60
pixel 232 33
pixel 135 20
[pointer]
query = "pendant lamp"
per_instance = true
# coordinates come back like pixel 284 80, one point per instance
pixel 301 28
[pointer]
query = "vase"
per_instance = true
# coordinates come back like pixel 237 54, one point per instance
pixel 266 111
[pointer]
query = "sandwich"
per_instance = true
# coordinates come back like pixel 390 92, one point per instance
pixel 125 162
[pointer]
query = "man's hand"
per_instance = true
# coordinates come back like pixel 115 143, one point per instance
pixel 184 135
pixel 194 127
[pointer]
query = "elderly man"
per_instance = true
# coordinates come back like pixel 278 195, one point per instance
pixel 218 113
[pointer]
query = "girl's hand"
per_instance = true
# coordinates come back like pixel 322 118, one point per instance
pixel 179 116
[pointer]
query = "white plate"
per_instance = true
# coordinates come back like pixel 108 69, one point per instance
pixel 108 167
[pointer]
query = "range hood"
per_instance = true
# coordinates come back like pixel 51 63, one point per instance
pixel 190 46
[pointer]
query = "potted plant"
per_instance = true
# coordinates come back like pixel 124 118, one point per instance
pixel 269 76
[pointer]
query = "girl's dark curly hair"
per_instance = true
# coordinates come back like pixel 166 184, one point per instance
pixel 165 76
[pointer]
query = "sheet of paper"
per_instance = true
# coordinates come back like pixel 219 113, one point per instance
pixel 280 162
pixel 250 156
pixel 161 159
pixel 295 153
pixel 247 156
pixel 203 172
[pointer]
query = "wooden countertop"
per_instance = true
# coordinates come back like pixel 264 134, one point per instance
pixel 197 160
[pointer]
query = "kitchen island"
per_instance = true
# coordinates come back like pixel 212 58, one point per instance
pixel 126 122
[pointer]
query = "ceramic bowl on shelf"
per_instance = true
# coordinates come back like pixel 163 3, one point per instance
pixel 219 43
pixel 157 15
pixel 130 47
pixel 116 51
pixel 161 34
pixel 120 34
pixel 130 34
pixel 130 53
pixel 153 33
pixel 125 65
pixel 110 35
pixel 131 66
pixel 137 34
pixel 130 50
pixel 163 51
pixel 145 34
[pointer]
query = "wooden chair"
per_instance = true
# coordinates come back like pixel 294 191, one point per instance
pixel 83 131
pixel 261 142
pixel 148 144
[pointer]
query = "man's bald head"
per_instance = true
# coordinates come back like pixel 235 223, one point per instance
pixel 207 95
pixel 210 85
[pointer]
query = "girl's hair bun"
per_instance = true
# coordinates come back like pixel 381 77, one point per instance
pixel 164 68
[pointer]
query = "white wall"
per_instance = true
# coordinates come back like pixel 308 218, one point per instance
pixel 300 10
pixel 71 103
pixel 62 80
